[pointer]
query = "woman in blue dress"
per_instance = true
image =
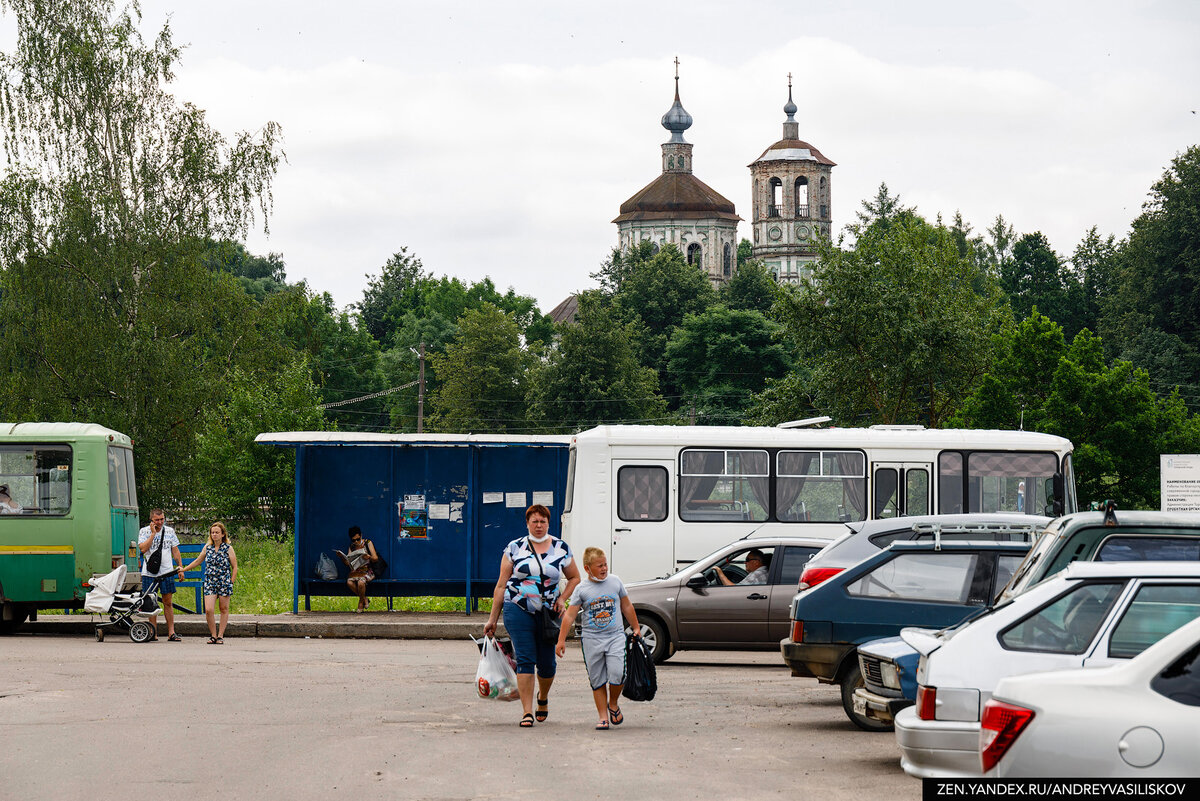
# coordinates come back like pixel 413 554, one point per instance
pixel 220 571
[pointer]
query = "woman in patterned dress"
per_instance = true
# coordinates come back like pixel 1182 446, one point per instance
pixel 220 571
pixel 530 571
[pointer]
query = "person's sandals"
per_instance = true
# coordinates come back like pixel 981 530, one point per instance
pixel 212 640
pixel 615 716
pixel 543 710
pixel 602 726
pixel 174 638
pixel 220 641
pixel 526 721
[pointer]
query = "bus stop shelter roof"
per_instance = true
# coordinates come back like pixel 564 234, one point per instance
pixel 298 438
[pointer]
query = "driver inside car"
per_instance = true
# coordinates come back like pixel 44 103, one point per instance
pixel 756 570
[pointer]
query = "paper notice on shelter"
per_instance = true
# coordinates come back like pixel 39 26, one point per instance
pixel 439 511
pixel 456 512
pixel 544 498
pixel 493 497
pixel 514 500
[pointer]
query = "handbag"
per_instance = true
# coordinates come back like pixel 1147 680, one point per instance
pixel 545 621
pixel 154 560
pixel 641 682
pixel 379 566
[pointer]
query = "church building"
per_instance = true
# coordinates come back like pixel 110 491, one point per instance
pixel 678 208
pixel 790 206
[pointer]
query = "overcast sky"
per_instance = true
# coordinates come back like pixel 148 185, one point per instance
pixel 499 138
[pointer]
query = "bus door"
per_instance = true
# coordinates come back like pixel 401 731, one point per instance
pixel 643 526
pixel 901 489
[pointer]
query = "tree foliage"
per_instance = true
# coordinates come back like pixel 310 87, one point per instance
pixel 113 193
pixel 897 328
pixel 592 376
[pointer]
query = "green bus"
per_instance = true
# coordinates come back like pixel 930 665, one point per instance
pixel 68 511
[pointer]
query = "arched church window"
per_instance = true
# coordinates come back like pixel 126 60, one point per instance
pixel 654 248
pixel 728 260
pixel 670 162
pixel 693 254
pixel 801 197
pixel 775 207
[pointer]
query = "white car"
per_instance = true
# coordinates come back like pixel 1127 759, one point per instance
pixel 1093 614
pixel 1140 718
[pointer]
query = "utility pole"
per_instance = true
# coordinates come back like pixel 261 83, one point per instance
pixel 421 391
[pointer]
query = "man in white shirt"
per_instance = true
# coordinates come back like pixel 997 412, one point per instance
pixel 756 570
pixel 148 542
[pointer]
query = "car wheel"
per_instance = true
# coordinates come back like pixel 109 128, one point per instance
pixel 654 634
pixel 851 682
pixel 99 634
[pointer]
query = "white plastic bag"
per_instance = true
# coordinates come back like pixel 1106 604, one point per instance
pixel 495 677
pixel 326 569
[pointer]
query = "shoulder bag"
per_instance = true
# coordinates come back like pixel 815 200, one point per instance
pixel 547 625
pixel 154 560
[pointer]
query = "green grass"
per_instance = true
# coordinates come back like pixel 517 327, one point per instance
pixel 264 586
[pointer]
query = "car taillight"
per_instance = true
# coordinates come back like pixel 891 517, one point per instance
pixel 926 701
pixel 812 576
pixel 797 631
pixel 998 730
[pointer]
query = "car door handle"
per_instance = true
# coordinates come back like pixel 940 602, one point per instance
pixel 622 529
pixel 754 596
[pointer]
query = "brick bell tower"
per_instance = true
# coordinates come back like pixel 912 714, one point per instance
pixel 790 185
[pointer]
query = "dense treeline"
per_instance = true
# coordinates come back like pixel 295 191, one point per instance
pixel 127 300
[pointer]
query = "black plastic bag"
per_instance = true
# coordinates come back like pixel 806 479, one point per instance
pixel 640 681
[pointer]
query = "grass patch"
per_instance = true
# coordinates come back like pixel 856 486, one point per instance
pixel 264 586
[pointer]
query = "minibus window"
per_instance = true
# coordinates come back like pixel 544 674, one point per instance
pixel 36 480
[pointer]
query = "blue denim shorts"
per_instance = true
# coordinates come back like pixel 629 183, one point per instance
pixel 166 587
pixel 528 648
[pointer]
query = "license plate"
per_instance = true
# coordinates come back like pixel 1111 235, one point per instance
pixel 860 705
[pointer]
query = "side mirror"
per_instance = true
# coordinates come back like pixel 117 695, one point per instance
pixel 1058 493
pixel 697 582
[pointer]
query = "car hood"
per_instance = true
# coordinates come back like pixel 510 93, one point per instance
pixel 925 641
pixel 890 648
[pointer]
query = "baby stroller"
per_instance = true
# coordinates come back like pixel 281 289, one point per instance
pixel 127 611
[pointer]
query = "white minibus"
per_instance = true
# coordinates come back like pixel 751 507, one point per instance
pixel 657 498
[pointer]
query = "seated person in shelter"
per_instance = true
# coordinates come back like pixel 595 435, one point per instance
pixel 756 570
pixel 361 560
pixel 7 505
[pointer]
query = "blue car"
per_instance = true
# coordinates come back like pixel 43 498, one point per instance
pixel 927 584
pixel 889 671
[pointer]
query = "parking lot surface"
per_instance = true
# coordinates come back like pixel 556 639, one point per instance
pixel 316 718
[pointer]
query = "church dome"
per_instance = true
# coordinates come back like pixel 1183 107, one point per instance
pixel 793 150
pixel 677 195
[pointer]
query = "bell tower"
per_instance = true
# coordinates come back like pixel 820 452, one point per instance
pixel 790 206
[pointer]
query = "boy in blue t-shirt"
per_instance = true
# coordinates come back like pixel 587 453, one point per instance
pixel 602 637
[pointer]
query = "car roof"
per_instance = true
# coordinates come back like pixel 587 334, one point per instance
pixel 958 545
pixel 1133 518
pixel 871 527
pixel 1135 569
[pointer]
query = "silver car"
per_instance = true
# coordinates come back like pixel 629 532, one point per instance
pixel 696 609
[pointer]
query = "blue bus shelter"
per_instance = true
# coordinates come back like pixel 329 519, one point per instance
pixel 439 507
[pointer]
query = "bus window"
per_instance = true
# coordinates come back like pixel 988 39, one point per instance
pixel 950 483
pixel 821 486
pixel 38 478
pixel 887 492
pixel 122 491
pixel 642 493
pixel 1009 482
pixel 723 485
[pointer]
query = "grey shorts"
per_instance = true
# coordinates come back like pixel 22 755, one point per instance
pixel 604 658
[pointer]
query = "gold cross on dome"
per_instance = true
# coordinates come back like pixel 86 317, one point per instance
pixel 676 67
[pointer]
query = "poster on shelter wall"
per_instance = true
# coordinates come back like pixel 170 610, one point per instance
pixel 1180 482
pixel 414 521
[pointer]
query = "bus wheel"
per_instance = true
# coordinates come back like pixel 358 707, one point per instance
pixel 140 631
pixel 11 617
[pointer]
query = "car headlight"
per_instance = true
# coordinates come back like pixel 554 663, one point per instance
pixel 890 675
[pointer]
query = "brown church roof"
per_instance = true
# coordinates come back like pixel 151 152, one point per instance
pixel 794 150
pixel 677 195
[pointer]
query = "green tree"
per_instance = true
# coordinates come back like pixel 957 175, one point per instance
pixel 721 357
pixel 591 377
pixel 896 329
pixel 483 376
pixel 745 252
pixel 245 481
pixel 752 288
pixel 655 295
pixel 112 194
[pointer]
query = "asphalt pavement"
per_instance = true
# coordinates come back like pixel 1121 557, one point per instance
pixel 327 625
